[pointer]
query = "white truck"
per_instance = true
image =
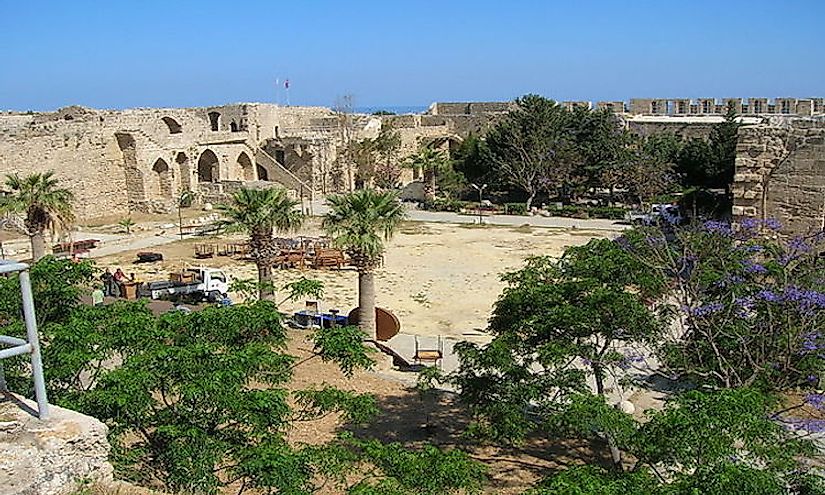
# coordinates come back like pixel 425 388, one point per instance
pixel 194 283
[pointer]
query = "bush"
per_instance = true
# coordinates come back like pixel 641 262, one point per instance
pixel 445 204
pixel 515 209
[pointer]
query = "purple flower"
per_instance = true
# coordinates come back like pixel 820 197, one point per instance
pixel 808 300
pixel 717 227
pixel 750 224
pixel 798 244
pixel 812 378
pixel 811 342
pixel 816 400
pixel 708 309
pixel 753 267
pixel 773 224
pixel 754 248
pixel 809 425
pixel 768 295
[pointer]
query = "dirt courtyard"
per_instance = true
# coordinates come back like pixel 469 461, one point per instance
pixel 439 279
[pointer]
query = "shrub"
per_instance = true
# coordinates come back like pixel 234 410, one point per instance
pixel 515 209
pixel 605 212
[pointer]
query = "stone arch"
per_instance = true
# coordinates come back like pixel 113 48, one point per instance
pixel 162 178
pixel 262 173
pixel 208 167
pixel 173 125
pixel 183 168
pixel 246 166
pixel 214 121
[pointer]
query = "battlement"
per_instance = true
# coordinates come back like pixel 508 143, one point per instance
pixel 677 107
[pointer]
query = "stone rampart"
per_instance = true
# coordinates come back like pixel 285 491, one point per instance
pixel 780 173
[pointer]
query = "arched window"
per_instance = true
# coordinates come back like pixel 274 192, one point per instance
pixel 172 124
pixel 215 121
pixel 233 126
pixel 208 167
pixel 262 175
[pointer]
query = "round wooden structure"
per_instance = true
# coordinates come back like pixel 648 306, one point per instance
pixel 387 325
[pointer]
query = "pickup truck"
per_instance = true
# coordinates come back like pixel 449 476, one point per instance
pixel 196 283
pixel 657 214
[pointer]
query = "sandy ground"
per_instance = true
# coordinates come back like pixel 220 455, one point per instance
pixel 439 279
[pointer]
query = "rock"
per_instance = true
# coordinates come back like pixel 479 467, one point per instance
pixel 626 407
pixel 207 207
pixel 49 457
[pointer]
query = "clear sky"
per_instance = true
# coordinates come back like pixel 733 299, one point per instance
pixel 128 53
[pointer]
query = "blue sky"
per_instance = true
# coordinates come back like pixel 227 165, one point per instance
pixel 128 53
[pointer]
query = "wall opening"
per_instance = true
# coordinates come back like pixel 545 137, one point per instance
pixel 215 121
pixel 172 124
pixel 262 175
pixel 183 167
pixel 163 178
pixel 245 164
pixel 208 167
pixel 233 126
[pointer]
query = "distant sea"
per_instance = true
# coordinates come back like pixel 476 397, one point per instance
pixel 398 109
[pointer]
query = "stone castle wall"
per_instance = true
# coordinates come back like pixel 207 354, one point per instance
pixel 118 162
pixel 780 173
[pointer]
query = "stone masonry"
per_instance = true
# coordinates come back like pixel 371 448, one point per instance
pixel 780 173
pixel 122 161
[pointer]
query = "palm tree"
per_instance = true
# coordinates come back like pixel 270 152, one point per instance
pixel 44 206
pixel 259 212
pixel 430 161
pixel 359 223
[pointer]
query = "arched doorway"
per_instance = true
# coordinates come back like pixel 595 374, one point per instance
pixel 208 167
pixel 262 175
pixel 245 164
pixel 163 178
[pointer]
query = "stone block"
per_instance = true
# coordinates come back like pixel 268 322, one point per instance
pixel 50 457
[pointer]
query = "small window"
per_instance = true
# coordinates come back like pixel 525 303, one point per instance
pixel 215 121
pixel 172 124
pixel 233 126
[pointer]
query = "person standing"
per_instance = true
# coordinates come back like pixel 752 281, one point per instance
pixel 97 296
pixel 108 283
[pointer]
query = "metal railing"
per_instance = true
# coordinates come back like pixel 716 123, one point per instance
pixel 31 345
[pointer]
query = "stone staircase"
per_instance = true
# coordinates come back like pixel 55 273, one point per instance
pixel 281 174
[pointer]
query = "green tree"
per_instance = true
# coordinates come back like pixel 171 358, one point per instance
pixel 259 212
pixel 44 205
pixel 723 138
pixel 749 307
pixel 360 223
pixel 553 317
pixel 532 147
pixel 387 145
pixel 431 162
pixel 127 224
pixel 470 160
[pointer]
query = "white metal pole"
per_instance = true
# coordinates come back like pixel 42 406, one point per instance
pixel 31 333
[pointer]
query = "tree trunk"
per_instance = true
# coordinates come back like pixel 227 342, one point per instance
pixel 38 241
pixel 366 301
pixel 264 280
pixel 429 185
pixel 530 199
pixel 615 453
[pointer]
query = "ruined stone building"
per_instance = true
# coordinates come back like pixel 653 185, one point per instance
pixel 122 161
